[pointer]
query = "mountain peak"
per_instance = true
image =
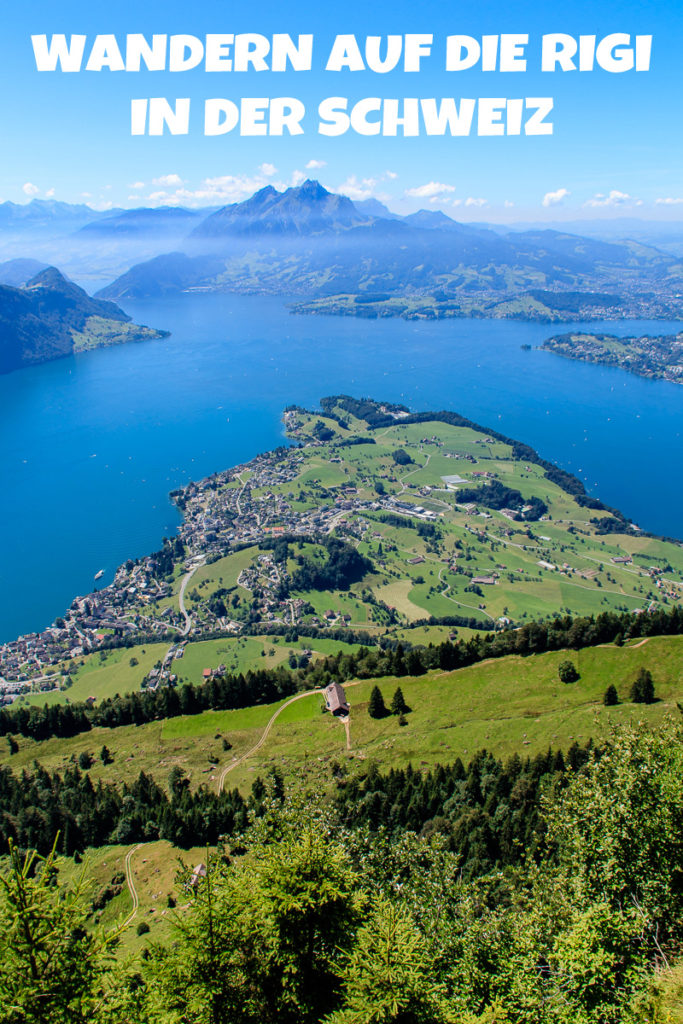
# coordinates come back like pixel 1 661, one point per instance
pixel 306 209
pixel 311 189
pixel 50 277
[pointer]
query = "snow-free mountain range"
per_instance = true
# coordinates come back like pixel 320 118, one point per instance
pixel 323 253
pixel 307 242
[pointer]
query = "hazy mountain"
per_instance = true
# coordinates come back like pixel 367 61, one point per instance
pixel 17 272
pixel 161 220
pixel 46 214
pixel 308 209
pixel 164 275
pixel 373 208
pixel 432 219
pixel 52 317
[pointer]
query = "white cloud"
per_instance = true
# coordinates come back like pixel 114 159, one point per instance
pixel 614 198
pixel 391 175
pixel 225 189
pixel 315 165
pixel 137 184
pixel 508 203
pixel 88 195
pixel 555 198
pixel 471 201
pixel 669 201
pixel 268 170
pixel 432 188
pixel 359 188
pixel 167 198
pixel 168 180
pixel 30 190
pixel 298 178
pixel 50 194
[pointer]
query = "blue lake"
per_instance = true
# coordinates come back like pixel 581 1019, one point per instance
pixel 92 445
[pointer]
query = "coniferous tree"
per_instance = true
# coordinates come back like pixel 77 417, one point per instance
pixel 611 696
pixel 376 705
pixel 51 963
pixel 643 689
pixel 398 704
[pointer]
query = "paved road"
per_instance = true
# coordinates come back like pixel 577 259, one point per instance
pixel 181 598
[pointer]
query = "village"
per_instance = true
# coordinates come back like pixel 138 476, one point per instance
pixel 316 489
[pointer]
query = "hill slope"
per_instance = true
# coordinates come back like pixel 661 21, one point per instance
pixel 52 317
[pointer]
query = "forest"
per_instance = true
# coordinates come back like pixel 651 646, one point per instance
pixel 302 919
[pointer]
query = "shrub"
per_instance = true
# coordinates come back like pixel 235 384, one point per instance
pixel 567 672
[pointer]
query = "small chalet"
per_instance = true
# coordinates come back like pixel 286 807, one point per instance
pixel 335 699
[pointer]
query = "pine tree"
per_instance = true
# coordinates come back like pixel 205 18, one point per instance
pixel 51 961
pixel 105 755
pixel 398 704
pixel 611 696
pixel 643 689
pixel 376 705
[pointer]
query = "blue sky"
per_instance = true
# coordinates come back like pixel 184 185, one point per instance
pixel 616 150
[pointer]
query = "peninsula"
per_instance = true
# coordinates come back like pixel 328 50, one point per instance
pixel 373 523
pixel 50 317
pixel 658 357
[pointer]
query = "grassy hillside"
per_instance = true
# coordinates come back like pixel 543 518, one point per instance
pixel 507 705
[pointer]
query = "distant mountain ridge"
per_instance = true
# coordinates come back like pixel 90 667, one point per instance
pixel 161 220
pixel 40 214
pixel 51 317
pixel 311 243
pixel 332 254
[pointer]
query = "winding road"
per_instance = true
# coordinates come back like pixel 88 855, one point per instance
pixel 264 736
pixel 131 884
pixel 181 598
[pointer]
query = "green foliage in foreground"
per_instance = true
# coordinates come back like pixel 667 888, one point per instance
pixel 307 923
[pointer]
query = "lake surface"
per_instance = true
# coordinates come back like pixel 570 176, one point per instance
pixel 91 445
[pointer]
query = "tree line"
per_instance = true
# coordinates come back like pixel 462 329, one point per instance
pixel 488 813
pixel 269 685
pixel 37 806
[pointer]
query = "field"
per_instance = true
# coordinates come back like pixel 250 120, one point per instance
pixel 429 552
pixel 154 868
pixel 107 673
pixel 515 704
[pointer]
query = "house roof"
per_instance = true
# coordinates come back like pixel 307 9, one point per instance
pixel 335 698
